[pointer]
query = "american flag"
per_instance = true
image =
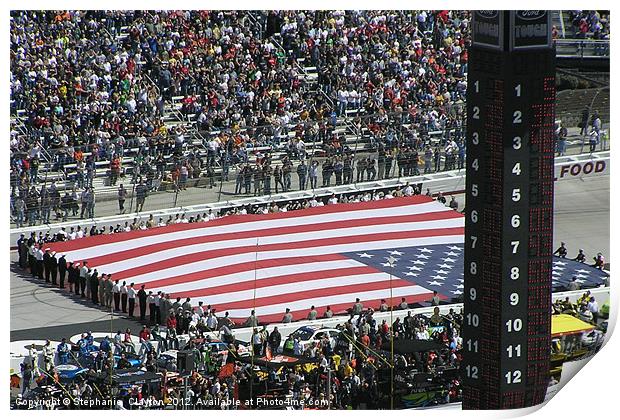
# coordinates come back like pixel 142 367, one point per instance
pixel 303 258
pixel 321 256
pixel 440 268
pixel 586 276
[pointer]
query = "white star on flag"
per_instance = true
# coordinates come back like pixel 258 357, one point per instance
pixel 426 257
pixel 418 262
pixel 582 276
pixel 554 282
pixel 452 254
pixel 455 248
pixel 410 273
pixel 581 270
pixel 414 268
pixel 434 283
pixel 559 263
pixel 461 281
pixel 386 264
pixel 441 271
pixel 365 255
pixel 448 260
pixel 396 253
pixel 579 281
pixel 457 292
pixel 559 268
pixel 444 266
pixel 438 277
pixel 392 259
pixel 459 286
pixel 426 250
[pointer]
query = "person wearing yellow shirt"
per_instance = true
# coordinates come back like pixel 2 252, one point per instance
pixel 347 370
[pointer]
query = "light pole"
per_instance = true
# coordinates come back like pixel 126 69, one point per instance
pixel 329 386
pixel 391 260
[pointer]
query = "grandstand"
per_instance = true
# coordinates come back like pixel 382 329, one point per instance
pixel 571 103
pixel 58 163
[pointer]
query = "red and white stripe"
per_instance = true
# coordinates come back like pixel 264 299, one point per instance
pixel 296 264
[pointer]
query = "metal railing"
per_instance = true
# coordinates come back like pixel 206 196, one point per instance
pixel 582 48
pixel 571 112
pixel 450 182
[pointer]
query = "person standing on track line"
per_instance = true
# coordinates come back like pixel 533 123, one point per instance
pixel 53 267
pixel 109 285
pixel 131 299
pixel 124 297
pixel 122 196
pixel 116 291
pixel 46 265
pixel 62 270
pixel 142 301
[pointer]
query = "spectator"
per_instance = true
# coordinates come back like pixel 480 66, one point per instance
pixel 454 205
pixel 599 261
pixel 141 193
pixel 357 307
pixel 122 195
pixel 312 314
pixel 573 284
pixel 288 316
pixel 581 257
pixel 561 251
pixel 593 308
pixel 403 304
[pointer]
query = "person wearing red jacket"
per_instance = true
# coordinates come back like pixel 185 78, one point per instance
pixel 115 169
pixel 145 334
pixel 173 343
pixel 172 322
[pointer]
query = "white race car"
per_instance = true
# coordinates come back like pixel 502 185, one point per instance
pixel 313 334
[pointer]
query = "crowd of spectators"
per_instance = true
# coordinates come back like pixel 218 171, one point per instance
pixel 590 24
pixel 91 88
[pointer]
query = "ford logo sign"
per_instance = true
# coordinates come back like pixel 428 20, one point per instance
pixel 531 14
pixel 487 14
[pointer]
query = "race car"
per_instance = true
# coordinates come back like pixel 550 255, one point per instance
pixel 593 339
pixel 68 373
pixel 311 334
